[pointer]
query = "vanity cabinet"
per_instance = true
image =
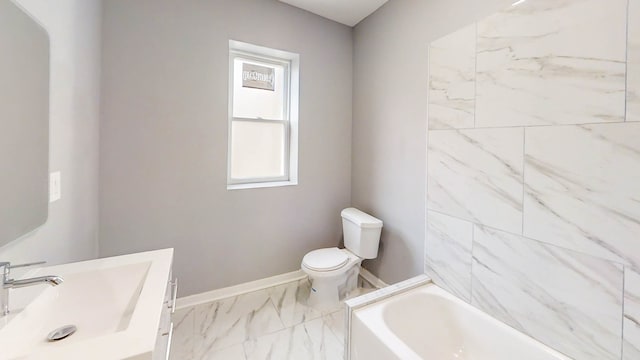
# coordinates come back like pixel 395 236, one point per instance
pixel 165 330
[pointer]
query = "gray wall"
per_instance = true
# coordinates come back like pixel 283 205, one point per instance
pixel 70 233
pixel 164 139
pixel 389 121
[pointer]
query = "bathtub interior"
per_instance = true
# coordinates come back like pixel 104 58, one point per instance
pixel 436 325
pixel 441 325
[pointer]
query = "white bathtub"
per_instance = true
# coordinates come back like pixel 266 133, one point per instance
pixel 429 323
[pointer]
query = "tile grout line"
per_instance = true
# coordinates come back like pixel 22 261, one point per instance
pixel 275 307
pixel 323 320
pixel 473 242
pixel 528 238
pixel 426 173
pixel 475 75
pixel 320 318
pixel 624 275
pixel 336 337
pixel 274 304
pixel 534 126
pixel 524 166
pixel 193 328
pixel 626 63
pixel 244 341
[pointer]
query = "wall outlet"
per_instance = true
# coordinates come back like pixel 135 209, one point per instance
pixel 55 187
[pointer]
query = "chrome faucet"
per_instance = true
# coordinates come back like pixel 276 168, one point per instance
pixel 7 283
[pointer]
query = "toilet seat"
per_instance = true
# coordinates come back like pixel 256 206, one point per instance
pixel 325 259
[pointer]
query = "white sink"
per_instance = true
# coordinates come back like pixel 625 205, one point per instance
pixel 115 303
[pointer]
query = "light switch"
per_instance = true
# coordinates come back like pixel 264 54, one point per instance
pixel 54 186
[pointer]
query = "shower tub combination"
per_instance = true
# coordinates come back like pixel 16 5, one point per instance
pixel 427 323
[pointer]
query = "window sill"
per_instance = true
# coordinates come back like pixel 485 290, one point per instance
pixel 261 185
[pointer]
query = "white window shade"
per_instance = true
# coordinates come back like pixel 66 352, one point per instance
pixel 258 150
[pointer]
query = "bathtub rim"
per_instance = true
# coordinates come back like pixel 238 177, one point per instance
pixel 374 297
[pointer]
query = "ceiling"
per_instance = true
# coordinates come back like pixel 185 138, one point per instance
pixel 348 12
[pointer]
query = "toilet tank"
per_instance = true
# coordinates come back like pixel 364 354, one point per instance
pixel 361 233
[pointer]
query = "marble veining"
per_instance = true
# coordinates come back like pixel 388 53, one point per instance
pixel 336 322
pixel 309 340
pixel 452 68
pixel 231 321
pixel 183 333
pixel 291 302
pixel 234 352
pixel 533 175
pixel 631 346
pixel 633 62
pixel 631 326
pixel 552 62
pixel 582 188
pixel 448 253
pixel 252 326
pixel 476 175
pixel 577 313
pixel 632 296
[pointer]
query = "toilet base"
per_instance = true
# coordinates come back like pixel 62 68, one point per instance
pixel 327 292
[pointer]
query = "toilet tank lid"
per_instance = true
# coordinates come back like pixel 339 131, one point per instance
pixel 360 218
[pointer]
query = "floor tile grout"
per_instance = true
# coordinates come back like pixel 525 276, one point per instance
pixel 325 321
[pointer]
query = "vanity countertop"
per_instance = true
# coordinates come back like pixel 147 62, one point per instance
pixel 116 304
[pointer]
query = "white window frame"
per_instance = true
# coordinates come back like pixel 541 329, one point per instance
pixel 291 64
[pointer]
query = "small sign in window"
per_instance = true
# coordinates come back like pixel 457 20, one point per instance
pixel 257 77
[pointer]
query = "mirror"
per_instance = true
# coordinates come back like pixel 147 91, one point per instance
pixel 24 123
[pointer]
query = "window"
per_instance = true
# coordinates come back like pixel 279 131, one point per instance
pixel 263 117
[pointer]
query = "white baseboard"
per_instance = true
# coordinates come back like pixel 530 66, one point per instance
pixel 235 290
pixel 372 279
pixel 213 295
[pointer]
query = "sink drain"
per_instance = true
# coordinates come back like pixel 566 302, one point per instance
pixel 61 332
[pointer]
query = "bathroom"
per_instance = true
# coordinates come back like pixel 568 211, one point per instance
pixel 495 141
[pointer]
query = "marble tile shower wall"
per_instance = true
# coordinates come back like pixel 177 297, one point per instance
pixel 534 172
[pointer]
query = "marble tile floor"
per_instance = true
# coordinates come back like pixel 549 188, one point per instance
pixel 272 323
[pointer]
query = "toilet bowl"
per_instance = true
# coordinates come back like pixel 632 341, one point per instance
pixel 334 272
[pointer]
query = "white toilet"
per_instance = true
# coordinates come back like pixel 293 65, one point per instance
pixel 334 272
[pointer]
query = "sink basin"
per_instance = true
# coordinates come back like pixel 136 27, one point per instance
pixel 115 303
pixel 113 291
